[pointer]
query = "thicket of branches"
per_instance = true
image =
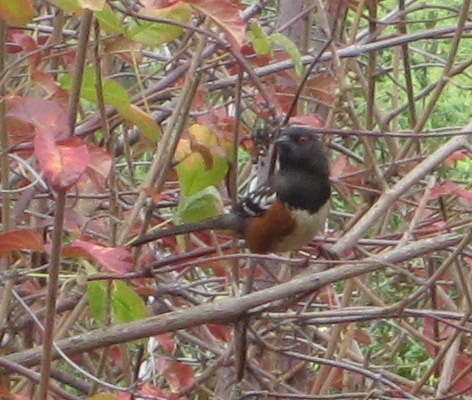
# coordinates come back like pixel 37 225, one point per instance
pixel 119 117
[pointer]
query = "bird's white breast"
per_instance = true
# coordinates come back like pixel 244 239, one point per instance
pixel 307 226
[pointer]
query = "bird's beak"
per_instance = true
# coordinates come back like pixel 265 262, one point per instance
pixel 282 139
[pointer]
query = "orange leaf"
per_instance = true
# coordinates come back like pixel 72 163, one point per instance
pixel 20 239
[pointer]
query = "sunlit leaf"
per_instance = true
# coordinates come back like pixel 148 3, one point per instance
pixel 17 12
pixel 203 162
pixel 143 121
pixel 157 33
pixel 21 239
pixel 70 6
pixel 93 5
pixel 109 20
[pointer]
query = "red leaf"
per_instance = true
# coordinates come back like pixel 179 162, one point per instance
pixel 179 376
pixel 226 14
pixel 450 188
pixel 443 189
pixel 94 179
pixel 456 156
pixel 63 163
pixel 114 259
pixel 465 196
pixel 20 239
pixel 167 342
pixel 50 85
pixel 339 166
pixel 342 167
pixel 74 221
pixel 45 115
pixel 27 44
pixel 444 331
pixel 221 332
pixel 462 360
pixel 149 391
pixel 323 89
pixel 98 169
pixel 312 121
pixel 468 260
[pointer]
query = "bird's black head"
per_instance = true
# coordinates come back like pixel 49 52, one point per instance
pixel 299 148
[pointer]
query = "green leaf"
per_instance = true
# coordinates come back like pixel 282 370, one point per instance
pixel 114 94
pixel 194 175
pixel 97 299
pixel 157 33
pixel 200 206
pixel 70 6
pixel 143 121
pixel 260 41
pixel 154 34
pixel 97 295
pixel 202 161
pixel 127 306
pixel 17 12
pixel 291 48
pixel 109 21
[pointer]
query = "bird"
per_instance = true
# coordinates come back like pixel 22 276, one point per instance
pixel 283 215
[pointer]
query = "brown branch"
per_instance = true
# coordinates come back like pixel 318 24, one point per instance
pixel 231 309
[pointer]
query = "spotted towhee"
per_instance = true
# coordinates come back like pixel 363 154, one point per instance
pixel 285 215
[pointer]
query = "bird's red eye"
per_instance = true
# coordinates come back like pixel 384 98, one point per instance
pixel 303 139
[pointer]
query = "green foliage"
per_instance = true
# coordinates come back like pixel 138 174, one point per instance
pixel 158 33
pixel 127 306
pixel 125 303
pixel 199 206
pixel 260 41
pixel 291 48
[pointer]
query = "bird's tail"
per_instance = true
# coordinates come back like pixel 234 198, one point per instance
pixel 232 222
